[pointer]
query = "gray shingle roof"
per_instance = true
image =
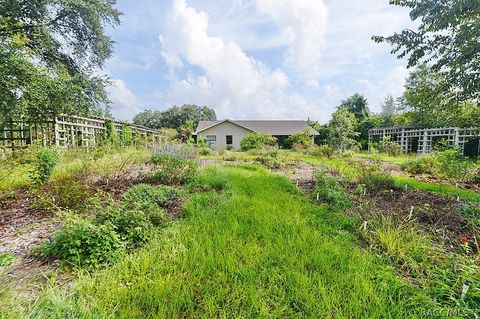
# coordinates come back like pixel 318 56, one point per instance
pixel 272 127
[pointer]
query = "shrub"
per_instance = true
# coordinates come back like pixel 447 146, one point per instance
pixel 134 226
pixel 299 141
pixel 144 196
pixel 270 159
pixel 173 169
pixel 454 166
pixel 82 243
pixel 389 147
pixel 229 157
pixel 205 151
pixel 68 192
pixel 330 191
pixel 256 140
pixel 374 180
pixel 321 151
pixel 44 163
pixel 424 164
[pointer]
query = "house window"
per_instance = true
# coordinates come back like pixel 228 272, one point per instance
pixel 229 139
pixel 211 139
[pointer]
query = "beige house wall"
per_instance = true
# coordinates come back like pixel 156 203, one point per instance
pixel 221 131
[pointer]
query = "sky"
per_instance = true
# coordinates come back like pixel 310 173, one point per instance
pixel 253 59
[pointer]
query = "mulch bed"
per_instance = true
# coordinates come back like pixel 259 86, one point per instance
pixel 438 215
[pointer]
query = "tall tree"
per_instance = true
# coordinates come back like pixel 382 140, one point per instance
pixel 426 98
pixel 175 117
pixel 356 104
pixel 389 106
pixel 341 129
pixel 50 52
pixel 448 37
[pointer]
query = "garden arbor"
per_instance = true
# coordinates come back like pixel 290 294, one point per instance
pixel 69 131
pixel 423 140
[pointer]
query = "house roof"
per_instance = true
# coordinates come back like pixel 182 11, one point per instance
pixel 271 127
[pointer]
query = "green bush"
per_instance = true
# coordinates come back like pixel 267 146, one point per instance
pixel 172 169
pixel 454 166
pixel 389 147
pixel 256 140
pixel 299 141
pixel 134 226
pixel 321 151
pixel 81 243
pixel 270 159
pixel 145 197
pixel 43 165
pixel 330 190
pixel 424 164
pixel 68 193
pixel 374 180
pixel 205 151
pixel 229 157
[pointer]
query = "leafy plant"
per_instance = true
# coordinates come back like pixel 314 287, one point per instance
pixel 6 259
pixel 69 192
pixel 300 141
pixel 82 243
pixel 471 213
pixel 45 161
pixel 205 151
pixel 229 157
pixel 374 179
pixel 454 166
pixel 390 147
pixel 321 151
pixel 144 197
pixel 270 158
pixel 172 169
pixel 256 140
pixel 132 225
pixel 330 190
pixel 424 164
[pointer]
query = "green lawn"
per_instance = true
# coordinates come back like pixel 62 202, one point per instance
pixel 257 250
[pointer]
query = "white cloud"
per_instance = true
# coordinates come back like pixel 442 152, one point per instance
pixel 124 103
pixel 230 80
pixel 303 24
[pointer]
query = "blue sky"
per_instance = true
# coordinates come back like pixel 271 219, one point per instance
pixel 253 59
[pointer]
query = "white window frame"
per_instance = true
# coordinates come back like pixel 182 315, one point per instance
pixel 211 139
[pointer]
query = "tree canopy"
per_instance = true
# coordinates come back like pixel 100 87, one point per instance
pixel 356 104
pixel 341 133
pixel 50 53
pixel 447 37
pixel 175 117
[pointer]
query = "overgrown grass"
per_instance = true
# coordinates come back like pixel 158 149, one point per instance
pixel 442 189
pixel 102 163
pixel 260 251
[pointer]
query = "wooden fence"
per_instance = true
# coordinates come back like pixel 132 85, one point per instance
pixel 69 131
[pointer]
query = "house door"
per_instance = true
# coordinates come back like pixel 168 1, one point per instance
pixel 229 140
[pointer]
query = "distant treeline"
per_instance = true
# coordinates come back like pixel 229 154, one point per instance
pixel 175 117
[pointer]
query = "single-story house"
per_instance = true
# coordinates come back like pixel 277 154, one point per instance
pixel 229 133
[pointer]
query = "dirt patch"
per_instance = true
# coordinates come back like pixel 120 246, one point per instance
pixel 438 215
pixel 301 173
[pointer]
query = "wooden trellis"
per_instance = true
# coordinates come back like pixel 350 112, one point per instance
pixel 422 140
pixel 68 131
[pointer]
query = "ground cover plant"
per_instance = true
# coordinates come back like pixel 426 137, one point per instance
pixel 264 244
